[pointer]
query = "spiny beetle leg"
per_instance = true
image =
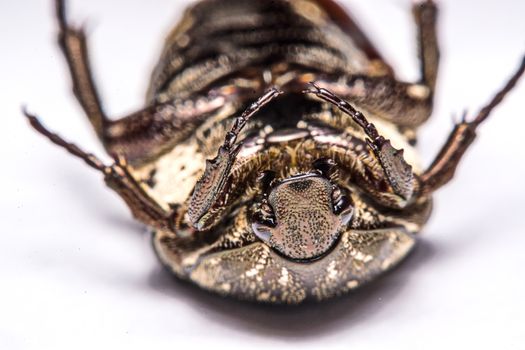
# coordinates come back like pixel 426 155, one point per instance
pixel 72 41
pixel 118 178
pixel 141 135
pixel 398 172
pixel 425 15
pixel 154 130
pixel 406 104
pixel 209 189
pixel 444 165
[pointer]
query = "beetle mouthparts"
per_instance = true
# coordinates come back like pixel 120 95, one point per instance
pixel 306 224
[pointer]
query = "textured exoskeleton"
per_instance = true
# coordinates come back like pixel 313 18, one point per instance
pixel 274 159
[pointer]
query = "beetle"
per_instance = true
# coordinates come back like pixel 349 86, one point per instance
pixel 275 158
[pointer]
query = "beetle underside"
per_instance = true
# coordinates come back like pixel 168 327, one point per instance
pixel 256 182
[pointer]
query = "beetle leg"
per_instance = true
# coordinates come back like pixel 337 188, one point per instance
pixel 143 134
pixel 118 178
pixel 345 21
pixel 154 130
pixel 207 194
pixel 407 105
pixel 404 104
pixel 398 172
pixel 444 165
pixel 72 41
pixel 425 14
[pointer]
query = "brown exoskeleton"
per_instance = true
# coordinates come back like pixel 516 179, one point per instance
pixel 310 192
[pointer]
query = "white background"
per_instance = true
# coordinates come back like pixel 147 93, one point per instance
pixel 77 272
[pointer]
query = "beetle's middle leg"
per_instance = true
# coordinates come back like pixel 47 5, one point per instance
pixel 444 166
pixel 117 177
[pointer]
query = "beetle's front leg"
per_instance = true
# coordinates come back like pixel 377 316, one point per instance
pixel 204 207
pixel 118 178
pixel 444 166
pixel 397 171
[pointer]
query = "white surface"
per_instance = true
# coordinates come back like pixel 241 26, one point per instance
pixel 76 271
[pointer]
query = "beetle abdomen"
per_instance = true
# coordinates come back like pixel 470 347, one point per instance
pixel 256 272
pixel 235 38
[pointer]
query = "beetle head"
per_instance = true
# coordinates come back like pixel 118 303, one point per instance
pixel 303 215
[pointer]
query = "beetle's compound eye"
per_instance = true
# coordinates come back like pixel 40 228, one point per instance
pixel 342 204
pixel 325 167
pixel 266 179
pixel 303 217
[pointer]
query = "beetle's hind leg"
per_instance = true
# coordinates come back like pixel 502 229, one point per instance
pixel 444 165
pixel 139 136
pixel 72 41
pixel 425 16
pixel 117 177
pixel 407 105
